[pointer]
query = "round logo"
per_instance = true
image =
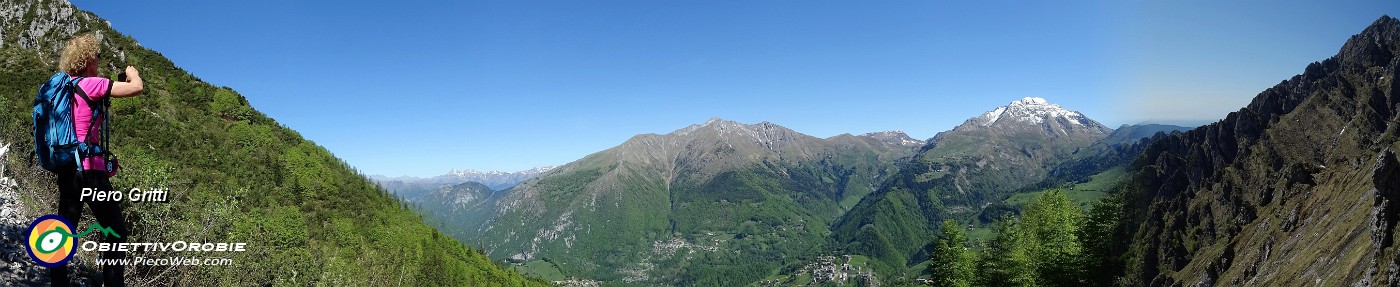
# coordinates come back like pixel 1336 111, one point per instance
pixel 50 241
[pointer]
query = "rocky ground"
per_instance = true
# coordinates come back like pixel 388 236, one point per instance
pixel 16 269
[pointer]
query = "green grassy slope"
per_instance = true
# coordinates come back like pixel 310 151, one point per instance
pixel 1083 194
pixel 235 176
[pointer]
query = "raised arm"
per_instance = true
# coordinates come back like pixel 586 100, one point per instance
pixel 131 87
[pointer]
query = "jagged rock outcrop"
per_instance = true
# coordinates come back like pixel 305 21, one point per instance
pixel 1386 178
pixel 39 24
pixel 1279 192
pixel 40 19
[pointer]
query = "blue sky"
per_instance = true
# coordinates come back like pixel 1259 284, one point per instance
pixel 509 85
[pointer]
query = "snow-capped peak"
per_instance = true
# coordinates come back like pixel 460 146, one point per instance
pixel 1031 110
pixel 470 172
pixel 897 137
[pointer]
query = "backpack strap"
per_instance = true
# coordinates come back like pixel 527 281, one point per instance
pixel 106 127
pixel 79 89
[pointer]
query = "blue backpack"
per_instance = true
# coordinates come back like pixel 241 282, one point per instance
pixel 56 142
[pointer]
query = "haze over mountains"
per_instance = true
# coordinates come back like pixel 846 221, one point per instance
pixel 497 180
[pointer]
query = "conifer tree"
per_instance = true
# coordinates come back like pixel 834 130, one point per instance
pixel 953 263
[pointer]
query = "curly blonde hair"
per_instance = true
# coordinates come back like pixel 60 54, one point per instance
pixel 78 53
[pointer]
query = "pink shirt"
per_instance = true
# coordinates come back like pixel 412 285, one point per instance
pixel 97 88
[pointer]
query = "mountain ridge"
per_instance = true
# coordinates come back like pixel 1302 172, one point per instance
pixel 618 214
pixel 666 189
pixel 498 180
pixel 958 173
pixel 1294 188
pixel 1034 110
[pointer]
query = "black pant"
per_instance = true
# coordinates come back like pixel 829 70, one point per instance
pixel 108 213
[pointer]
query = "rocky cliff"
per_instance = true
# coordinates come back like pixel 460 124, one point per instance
pixel 1298 187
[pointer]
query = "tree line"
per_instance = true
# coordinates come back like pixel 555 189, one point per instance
pixel 1052 243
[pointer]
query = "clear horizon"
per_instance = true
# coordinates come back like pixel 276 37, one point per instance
pixel 515 85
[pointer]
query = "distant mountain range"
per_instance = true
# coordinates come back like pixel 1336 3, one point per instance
pixel 1131 133
pixel 1297 188
pixel 725 203
pixel 624 213
pixel 496 180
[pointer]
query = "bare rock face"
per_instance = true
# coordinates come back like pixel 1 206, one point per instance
pixel 46 24
pixel 42 20
pixel 1386 178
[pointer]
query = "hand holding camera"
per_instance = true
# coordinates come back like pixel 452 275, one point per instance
pixel 130 70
